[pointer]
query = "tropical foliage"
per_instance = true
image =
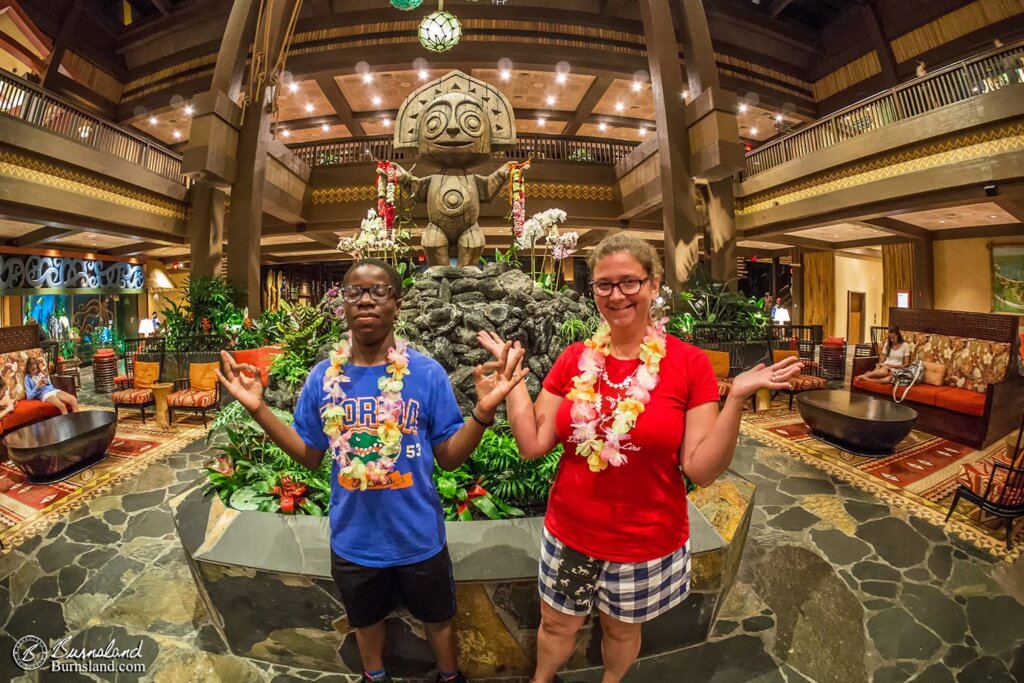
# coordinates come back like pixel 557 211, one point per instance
pixel 704 301
pixel 302 330
pixel 211 306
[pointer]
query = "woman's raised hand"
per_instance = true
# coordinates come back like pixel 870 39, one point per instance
pixel 775 377
pixel 242 381
pixel 496 378
pixel 490 341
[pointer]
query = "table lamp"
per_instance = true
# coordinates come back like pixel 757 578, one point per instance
pixel 146 327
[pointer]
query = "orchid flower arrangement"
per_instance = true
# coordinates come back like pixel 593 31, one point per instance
pixel 376 240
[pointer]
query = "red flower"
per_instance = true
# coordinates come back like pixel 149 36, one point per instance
pixel 222 465
pixel 290 492
pixel 206 325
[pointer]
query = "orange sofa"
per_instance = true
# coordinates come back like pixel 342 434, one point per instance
pixel 981 396
pixel 17 346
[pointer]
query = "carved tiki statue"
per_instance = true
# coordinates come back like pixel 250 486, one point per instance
pixel 455 122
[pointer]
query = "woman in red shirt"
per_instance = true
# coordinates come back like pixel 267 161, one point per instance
pixel 631 406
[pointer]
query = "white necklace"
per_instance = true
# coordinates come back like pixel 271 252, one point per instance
pixel 617 385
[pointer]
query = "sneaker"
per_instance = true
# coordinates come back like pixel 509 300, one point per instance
pixel 385 679
pixel 459 678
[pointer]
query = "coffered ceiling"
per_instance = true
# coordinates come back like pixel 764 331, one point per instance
pixel 967 216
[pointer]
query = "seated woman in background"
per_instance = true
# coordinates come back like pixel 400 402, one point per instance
pixel 38 388
pixel 6 404
pixel 895 354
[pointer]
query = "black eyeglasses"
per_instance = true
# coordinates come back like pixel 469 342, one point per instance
pixel 379 293
pixel 627 287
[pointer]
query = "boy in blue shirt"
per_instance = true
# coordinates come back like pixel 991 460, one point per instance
pixel 387 533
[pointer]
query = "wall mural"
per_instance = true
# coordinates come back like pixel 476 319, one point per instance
pixel 1008 278
pixel 57 272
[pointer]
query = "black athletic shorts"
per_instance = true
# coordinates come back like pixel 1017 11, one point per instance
pixel 369 594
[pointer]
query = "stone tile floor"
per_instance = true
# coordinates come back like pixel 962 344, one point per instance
pixel 834 586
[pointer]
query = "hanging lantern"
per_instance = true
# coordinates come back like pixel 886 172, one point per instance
pixel 440 31
pixel 406 5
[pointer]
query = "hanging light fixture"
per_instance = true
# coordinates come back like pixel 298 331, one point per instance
pixel 406 5
pixel 440 31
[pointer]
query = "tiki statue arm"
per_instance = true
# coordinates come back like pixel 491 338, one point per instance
pixel 489 186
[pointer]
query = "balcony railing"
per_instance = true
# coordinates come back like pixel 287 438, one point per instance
pixel 993 70
pixel 32 104
pixel 553 147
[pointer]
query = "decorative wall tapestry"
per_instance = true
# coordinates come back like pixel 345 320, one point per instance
pixel 19 272
pixel 1008 278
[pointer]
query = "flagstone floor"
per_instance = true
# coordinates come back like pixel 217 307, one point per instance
pixel 834 586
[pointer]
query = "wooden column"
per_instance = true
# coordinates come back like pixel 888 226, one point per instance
pixel 883 48
pixel 721 247
pixel 679 217
pixel 701 69
pixel 924 273
pixel 206 229
pixel 796 311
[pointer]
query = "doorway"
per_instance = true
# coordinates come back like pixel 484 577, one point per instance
pixel 855 317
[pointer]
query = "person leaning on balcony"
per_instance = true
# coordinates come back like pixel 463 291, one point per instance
pixel 895 354
pixel 635 410
pixel 387 532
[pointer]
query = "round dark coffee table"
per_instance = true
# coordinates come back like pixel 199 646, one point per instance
pixel 862 425
pixel 54 449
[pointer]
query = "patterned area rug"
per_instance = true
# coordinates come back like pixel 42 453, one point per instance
pixel 26 509
pixel 919 477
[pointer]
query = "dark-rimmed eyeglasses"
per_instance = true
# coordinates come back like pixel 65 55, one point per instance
pixel 379 293
pixel 626 287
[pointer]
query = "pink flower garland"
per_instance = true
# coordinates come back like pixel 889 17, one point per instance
pixel 386 187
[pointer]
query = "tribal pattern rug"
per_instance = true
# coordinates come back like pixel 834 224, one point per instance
pixel 27 509
pixel 919 477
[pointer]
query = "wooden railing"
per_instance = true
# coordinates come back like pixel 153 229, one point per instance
pixel 537 147
pixel 999 68
pixel 30 103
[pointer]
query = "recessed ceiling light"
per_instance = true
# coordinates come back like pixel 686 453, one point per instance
pixel 602 126
pixel 367 77
pixel 324 127
pixel 293 87
pixel 424 75
pixel 541 121
pixel 686 94
pixel 778 118
pixel 387 123
pixel 309 107
pixel 743 108
pixel 504 75
pixel 619 106
pixel 561 79
pixel 285 133
pixel 176 134
pixel 993 216
pixel 643 131
pixel 753 131
pixel 376 100
pixel 942 220
pixel 188 110
pixel 152 120
pixel 636 86
pixel 550 100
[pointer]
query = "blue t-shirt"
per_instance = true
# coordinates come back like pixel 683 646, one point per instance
pixel 400 522
pixel 37 393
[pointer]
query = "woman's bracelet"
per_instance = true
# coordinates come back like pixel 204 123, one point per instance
pixel 472 413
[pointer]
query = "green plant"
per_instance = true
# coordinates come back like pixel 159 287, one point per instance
pixel 211 305
pixel 579 329
pixel 580 154
pixel 704 301
pixel 263 331
pixel 303 329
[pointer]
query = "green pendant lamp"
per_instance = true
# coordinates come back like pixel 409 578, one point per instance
pixel 406 5
pixel 440 31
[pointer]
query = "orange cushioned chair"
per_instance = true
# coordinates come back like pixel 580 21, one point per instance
pixel 720 365
pixel 197 393
pixel 801 382
pixel 140 394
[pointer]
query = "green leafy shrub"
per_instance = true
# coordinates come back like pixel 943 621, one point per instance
pixel 211 306
pixel 302 331
pixel 704 301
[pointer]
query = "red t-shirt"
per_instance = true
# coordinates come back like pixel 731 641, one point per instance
pixel 636 512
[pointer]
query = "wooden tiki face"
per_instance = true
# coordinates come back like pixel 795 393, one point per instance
pixel 455 130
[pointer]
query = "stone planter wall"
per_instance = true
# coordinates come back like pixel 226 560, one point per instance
pixel 265 580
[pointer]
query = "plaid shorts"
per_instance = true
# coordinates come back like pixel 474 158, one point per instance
pixel 632 592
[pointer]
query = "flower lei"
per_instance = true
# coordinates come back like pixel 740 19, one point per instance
pixel 386 187
pixel 517 196
pixel 389 411
pixel 599 442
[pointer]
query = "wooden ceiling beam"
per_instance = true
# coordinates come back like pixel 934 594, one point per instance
pixel 333 93
pixel 161 6
pixel 777 6
pixel 294 247
pixel 585 109
pixel 42 236
pixel 132 249
pixel 900 228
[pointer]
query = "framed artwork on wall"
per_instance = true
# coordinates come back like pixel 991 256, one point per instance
pixel 1008 278
pixel 902 298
